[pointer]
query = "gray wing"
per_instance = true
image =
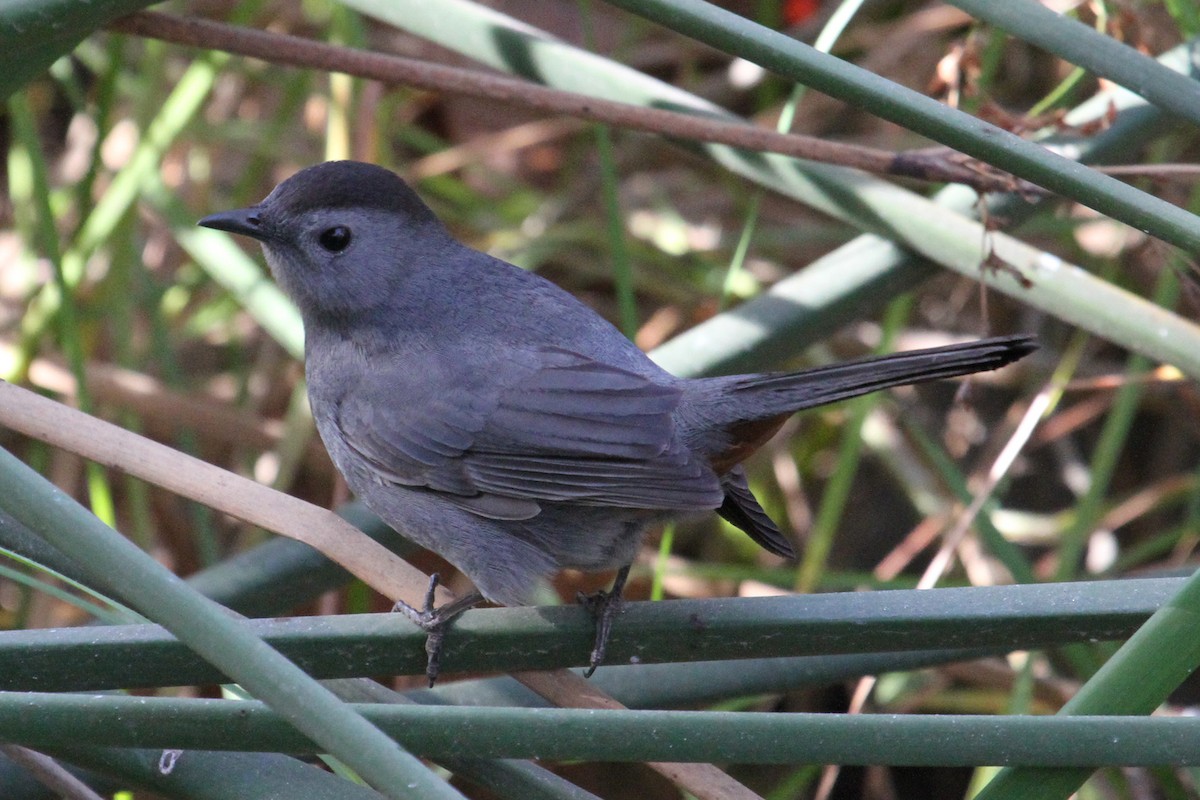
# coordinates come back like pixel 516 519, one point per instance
pixel 552 425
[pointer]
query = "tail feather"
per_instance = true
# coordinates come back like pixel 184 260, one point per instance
pixel 736 414
pixel 741 412
pixel 789 392
pixel 742 510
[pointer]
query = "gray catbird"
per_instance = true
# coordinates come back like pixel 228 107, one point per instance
pixel 490 416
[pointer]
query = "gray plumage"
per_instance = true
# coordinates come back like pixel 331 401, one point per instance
pixel 490 416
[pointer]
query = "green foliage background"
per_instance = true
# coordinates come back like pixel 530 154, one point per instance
pixel 718 259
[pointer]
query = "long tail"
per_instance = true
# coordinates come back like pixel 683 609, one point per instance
pixel 789 392
pixel 748 409
pixel 737 414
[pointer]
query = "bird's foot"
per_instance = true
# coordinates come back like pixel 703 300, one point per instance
pixel 604 607
pixel 435 621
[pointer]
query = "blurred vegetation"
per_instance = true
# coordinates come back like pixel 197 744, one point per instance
pixel 111 301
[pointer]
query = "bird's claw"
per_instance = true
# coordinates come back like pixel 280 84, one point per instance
pixel 435 621
pixel 604 607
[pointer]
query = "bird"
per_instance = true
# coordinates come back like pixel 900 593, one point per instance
pixel 490 416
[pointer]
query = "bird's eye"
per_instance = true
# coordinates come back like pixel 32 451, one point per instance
pixel 335 239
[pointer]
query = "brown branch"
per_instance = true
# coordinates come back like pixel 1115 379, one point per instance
pixel 1160 172
pixel 701 126
pixel 49 773
pixel 165 412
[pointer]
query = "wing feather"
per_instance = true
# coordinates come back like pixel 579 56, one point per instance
pixel 559 427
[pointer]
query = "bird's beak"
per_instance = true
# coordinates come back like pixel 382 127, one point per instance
pixel 245 221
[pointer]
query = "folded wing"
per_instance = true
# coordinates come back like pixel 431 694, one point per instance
pixel 553 426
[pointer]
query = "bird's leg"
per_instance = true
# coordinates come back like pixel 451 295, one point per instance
pixel 435 621
pixel 604 606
